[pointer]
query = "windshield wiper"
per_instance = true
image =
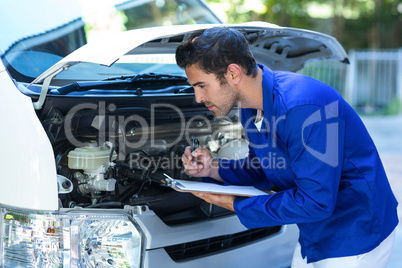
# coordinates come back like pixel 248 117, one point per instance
pixel 143 76
pixel 135 83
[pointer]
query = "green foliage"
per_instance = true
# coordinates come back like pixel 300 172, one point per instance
pixel 355 23
pixel 394 107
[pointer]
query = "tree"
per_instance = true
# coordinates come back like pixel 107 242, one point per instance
pixel 355 23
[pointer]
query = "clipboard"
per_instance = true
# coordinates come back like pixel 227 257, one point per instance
pixel 195 186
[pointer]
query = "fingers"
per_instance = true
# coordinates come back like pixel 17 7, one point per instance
pixel 187 155
pixel 193 172
pixel 201 152
pixel 192 161
pixel 222 200
pixel 201 195
pixel 199 163
pixel 198 194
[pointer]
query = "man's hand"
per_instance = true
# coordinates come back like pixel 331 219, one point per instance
pixel 221 200
pixel 200 163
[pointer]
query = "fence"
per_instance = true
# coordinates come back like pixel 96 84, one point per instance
pixel 371 82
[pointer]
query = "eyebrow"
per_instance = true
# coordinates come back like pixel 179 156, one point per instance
pixel 198 83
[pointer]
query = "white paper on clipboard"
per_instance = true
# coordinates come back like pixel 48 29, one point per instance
pixel 195 186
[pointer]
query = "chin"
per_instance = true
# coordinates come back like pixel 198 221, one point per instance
pixel 220 114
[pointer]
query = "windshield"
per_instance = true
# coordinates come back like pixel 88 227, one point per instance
pixel 42 32
pixel 126 66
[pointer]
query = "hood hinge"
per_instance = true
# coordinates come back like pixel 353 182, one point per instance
pixel 45 87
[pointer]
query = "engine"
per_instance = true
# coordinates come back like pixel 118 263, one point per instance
pixel 118 172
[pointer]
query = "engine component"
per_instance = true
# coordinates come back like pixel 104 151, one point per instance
pixel 94 161
pixel 64 185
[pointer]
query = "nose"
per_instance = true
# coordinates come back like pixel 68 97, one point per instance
pixel 199 98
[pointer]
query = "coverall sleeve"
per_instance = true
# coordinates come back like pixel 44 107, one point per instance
pixel 245 171
pixel 314 138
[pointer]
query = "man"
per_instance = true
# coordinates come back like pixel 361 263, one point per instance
pixel 331 179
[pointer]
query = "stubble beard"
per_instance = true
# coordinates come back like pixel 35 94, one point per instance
pixel 230 99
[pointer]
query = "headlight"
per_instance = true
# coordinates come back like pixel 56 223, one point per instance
pixel 85 239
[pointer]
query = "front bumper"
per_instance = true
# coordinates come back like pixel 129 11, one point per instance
pixel 275 250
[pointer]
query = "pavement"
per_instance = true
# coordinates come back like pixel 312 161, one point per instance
pixel 386 132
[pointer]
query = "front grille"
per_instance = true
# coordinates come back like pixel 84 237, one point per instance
pixel 213 245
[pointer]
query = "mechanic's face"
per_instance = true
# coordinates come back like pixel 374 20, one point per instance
pixel 218 98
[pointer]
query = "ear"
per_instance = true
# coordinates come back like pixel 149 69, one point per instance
pixel 233 74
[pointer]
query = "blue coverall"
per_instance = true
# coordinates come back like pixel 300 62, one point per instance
pixel 316 150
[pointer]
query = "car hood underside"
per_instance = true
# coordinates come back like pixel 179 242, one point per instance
pixel 280 48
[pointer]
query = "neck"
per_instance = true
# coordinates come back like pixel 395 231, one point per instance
pixel 250 89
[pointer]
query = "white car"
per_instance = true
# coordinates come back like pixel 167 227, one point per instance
pixel 86 140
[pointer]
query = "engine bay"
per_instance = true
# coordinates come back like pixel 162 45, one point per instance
pixel 117 157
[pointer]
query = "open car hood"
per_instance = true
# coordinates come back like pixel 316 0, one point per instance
pixel 280 48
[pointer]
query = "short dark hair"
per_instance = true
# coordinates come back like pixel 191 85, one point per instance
pixel 214 49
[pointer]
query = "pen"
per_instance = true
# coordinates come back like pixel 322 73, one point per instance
pixel 196 143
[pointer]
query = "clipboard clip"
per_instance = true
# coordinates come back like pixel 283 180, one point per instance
pixel 170 182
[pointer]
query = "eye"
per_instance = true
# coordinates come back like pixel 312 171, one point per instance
pixel 201 86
